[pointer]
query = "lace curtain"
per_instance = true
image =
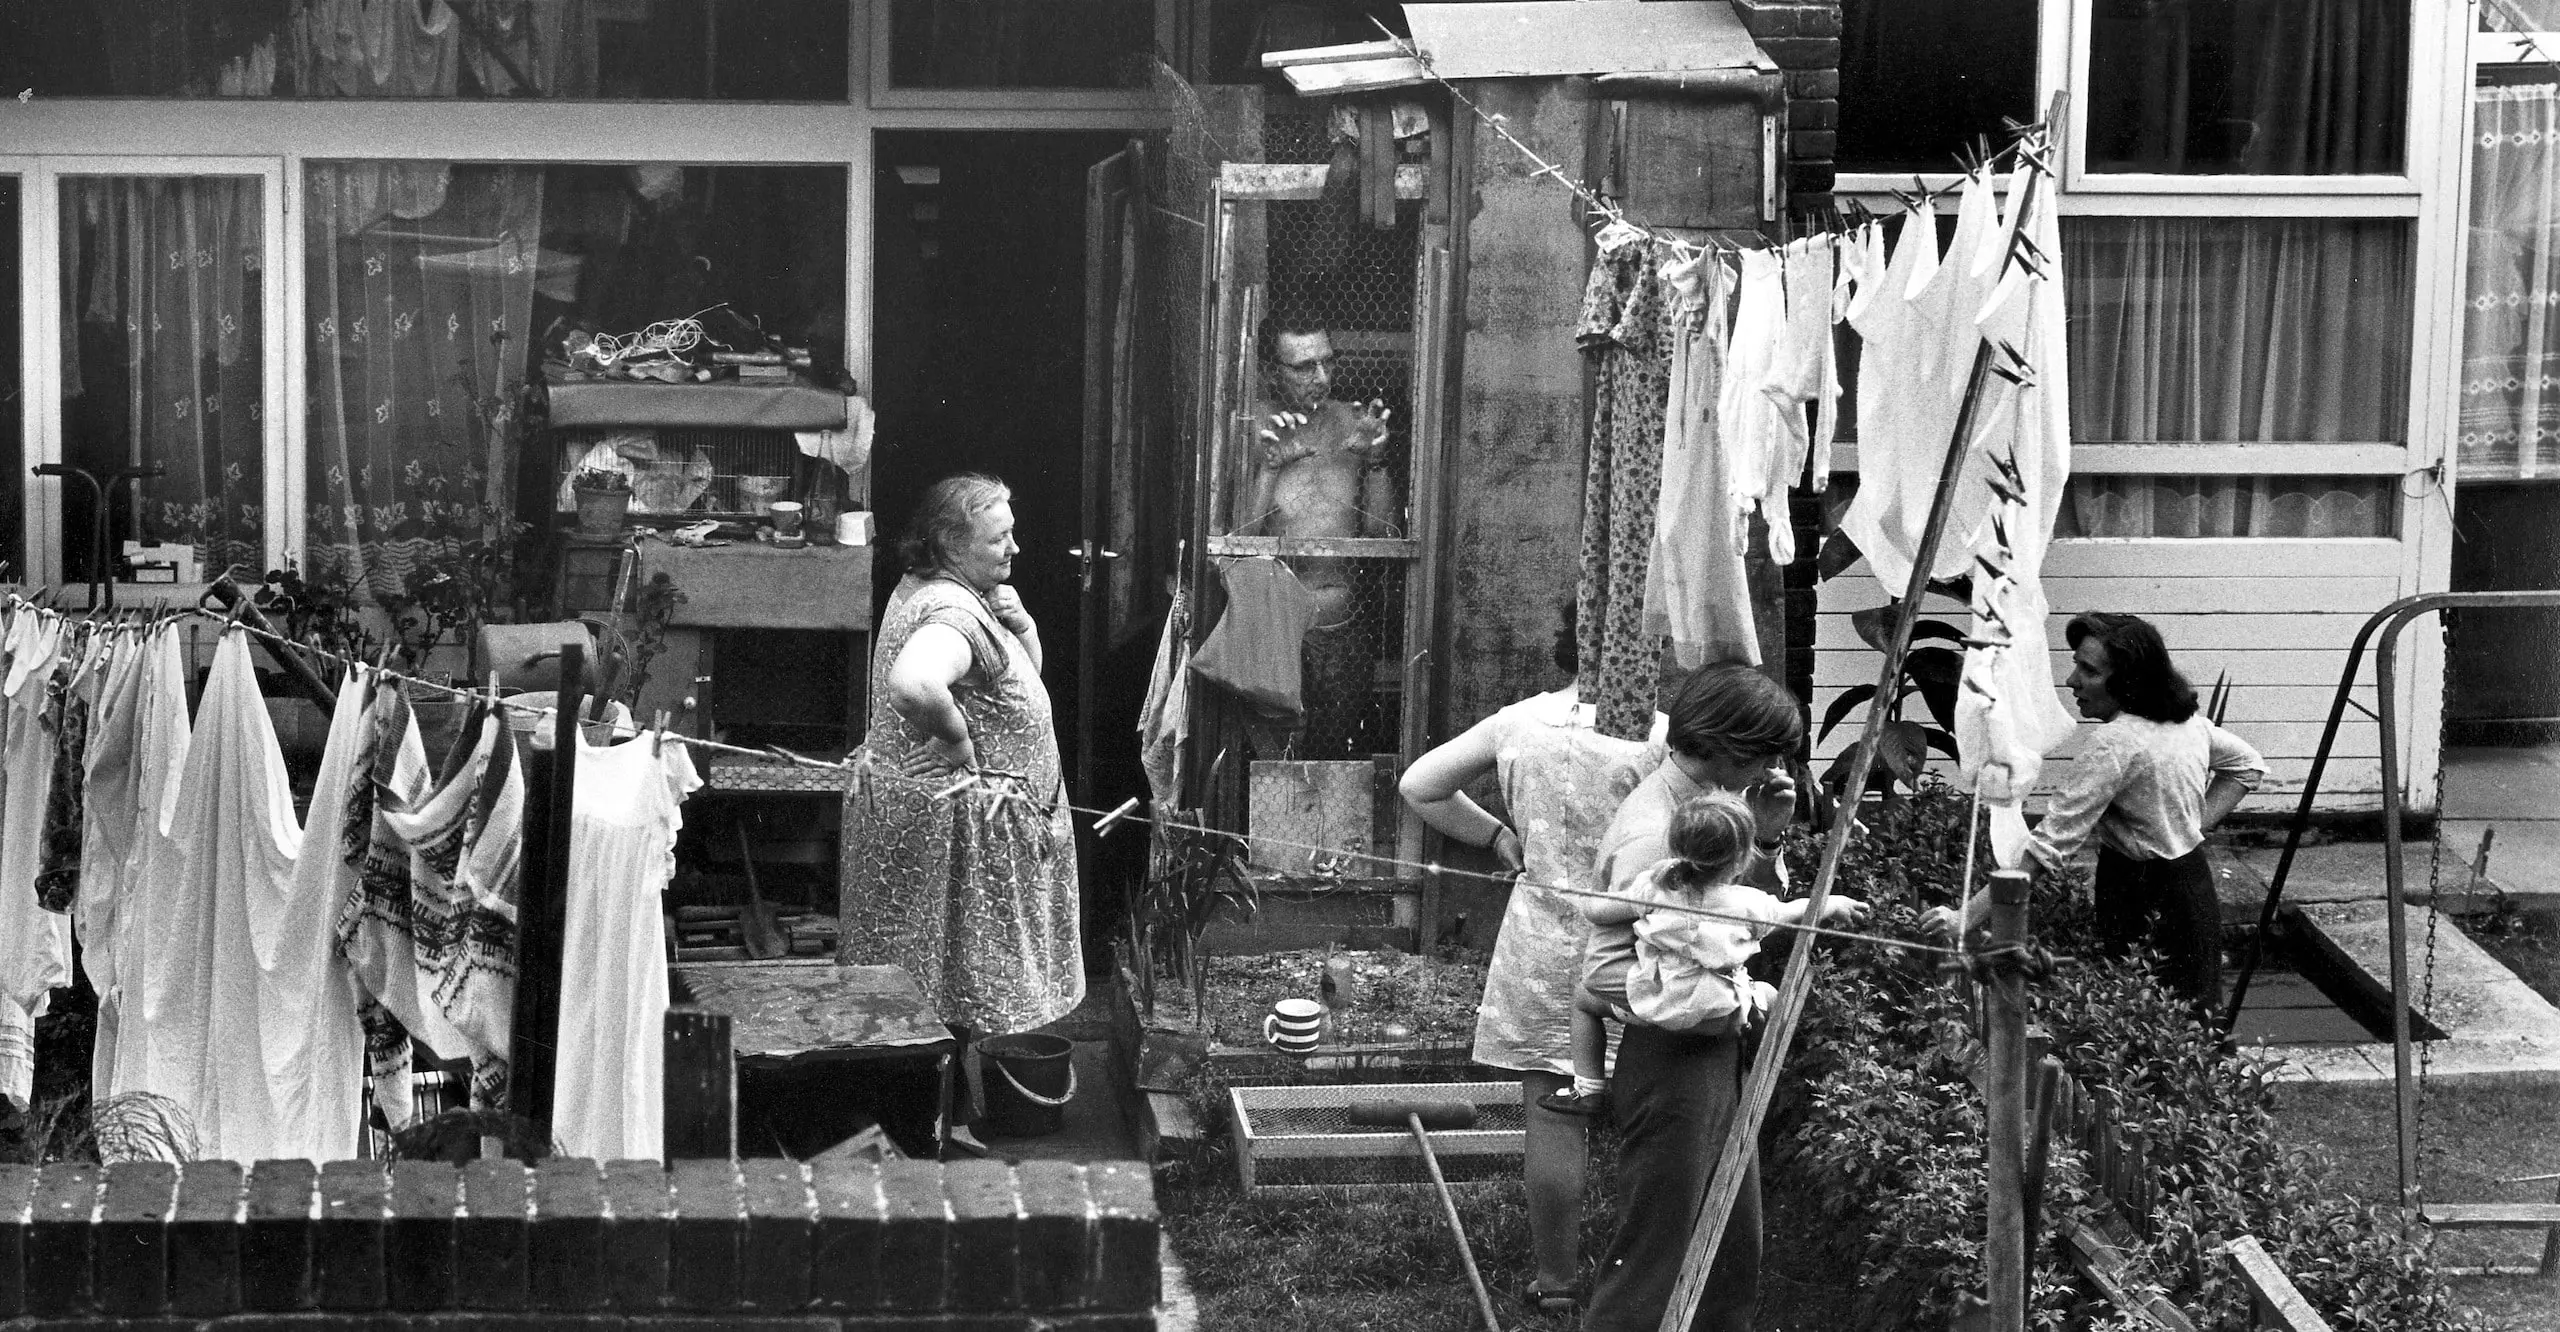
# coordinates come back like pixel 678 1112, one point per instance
pixel 162 274
pixel 2510 424
pixel 421 283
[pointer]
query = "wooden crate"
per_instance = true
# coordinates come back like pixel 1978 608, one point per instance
pixel 1302 1137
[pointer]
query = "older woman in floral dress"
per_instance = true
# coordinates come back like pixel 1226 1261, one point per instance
pixel 975 895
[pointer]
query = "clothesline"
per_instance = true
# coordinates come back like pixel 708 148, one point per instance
pixel 975 782
pixel 1610 214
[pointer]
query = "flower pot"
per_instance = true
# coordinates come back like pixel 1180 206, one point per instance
pixel 600 512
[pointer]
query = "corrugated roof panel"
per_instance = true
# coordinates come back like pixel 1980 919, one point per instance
pixel 1548 37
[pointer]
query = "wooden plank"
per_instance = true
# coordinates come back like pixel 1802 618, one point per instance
pixel 2099 1260
pixel 1349 548
pixel 2313 631
pixel 1330 55
pixel 2274 740
pixel 2279 1305
pixel 2249 703
pixel 1838 668
pixel 2216 558
pixel 2491 1216
pixel 759 586
pixel 2146 595
pixel 1267 181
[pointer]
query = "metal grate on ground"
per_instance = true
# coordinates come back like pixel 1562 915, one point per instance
pixel 1303 1137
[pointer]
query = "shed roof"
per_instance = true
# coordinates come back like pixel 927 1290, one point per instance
pixel 1536 38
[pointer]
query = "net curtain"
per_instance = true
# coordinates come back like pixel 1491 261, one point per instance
pixel 164 274
pixel 2510 360
pixel 421 280
pixel 2204 330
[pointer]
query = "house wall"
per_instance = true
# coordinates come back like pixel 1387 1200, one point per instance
pixel 1516 459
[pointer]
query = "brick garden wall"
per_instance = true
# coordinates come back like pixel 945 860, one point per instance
pixel 975 1246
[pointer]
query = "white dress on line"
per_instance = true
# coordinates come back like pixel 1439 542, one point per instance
pixel 613 998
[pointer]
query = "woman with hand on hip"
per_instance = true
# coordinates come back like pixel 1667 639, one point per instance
pixel 975 896
pixel 1561 781
pixel 2147 784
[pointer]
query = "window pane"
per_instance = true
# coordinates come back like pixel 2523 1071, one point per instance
pixel 2238 329
pixel 2228 506
pixel 13 457
pixel 436 290
pixel 162 284
pixel 1921 80
pixel 1019 43
pixel 2267 87
pixel 2510 365
pixel 768 50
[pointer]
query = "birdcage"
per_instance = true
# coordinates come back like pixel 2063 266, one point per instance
pixel 1303 1137
pixel 1325 458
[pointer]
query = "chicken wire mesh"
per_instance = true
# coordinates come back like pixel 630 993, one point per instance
pixel 1303 1137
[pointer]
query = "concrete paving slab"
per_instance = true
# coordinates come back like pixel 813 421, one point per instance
pixel 2502 783
pixel 2495 1027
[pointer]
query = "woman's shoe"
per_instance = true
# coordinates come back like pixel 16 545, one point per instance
pixel 1552 1301
pixel 1567 1101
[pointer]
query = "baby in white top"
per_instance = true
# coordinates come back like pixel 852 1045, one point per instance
pixel 1695 932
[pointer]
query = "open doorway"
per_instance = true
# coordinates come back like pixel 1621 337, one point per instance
pixel 978 346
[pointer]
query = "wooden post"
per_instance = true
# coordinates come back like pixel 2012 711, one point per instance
pixel 701 1086
pixel 542 909
pixel 2005 1262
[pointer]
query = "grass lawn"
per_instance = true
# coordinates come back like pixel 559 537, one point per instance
pixel 1381 1259
pixel 2528 945
pixel 2470 1139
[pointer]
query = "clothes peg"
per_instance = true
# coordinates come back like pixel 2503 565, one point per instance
pixel 1102 826
pixel 658 745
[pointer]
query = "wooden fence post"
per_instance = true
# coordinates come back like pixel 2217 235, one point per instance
pixel 2005 1263
pixel 701 1086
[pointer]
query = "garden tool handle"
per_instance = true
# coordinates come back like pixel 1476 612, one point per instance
pixel 1457 1229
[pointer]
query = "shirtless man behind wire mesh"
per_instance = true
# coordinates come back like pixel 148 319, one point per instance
pixel 1320 470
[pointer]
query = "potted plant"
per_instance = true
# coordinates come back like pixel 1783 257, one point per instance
pixel 604 500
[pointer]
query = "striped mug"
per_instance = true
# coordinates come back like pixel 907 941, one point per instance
pixel 1293 1025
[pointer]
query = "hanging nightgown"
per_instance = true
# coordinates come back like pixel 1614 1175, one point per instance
pixel 629 803
pixel 1695 590
pixel 35 944
pixel 1625 330
pixel 1804 373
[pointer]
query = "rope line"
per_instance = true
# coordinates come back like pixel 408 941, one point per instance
pixel 979 782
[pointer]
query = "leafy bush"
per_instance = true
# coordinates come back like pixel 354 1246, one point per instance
pixel 1889 1130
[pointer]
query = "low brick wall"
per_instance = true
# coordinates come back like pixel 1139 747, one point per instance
pixel 974 1246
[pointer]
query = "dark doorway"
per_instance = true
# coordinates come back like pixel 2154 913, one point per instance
pixel 2500 688
pixel 978 349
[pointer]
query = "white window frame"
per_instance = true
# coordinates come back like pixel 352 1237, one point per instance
pixel 2430 192
pixel 277 139
pixel 41 313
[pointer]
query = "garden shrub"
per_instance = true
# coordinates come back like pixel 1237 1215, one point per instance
pixel 1886 1127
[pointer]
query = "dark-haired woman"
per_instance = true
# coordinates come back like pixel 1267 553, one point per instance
pixel 2148 784
pixel 975 899
pixel 1673 1093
